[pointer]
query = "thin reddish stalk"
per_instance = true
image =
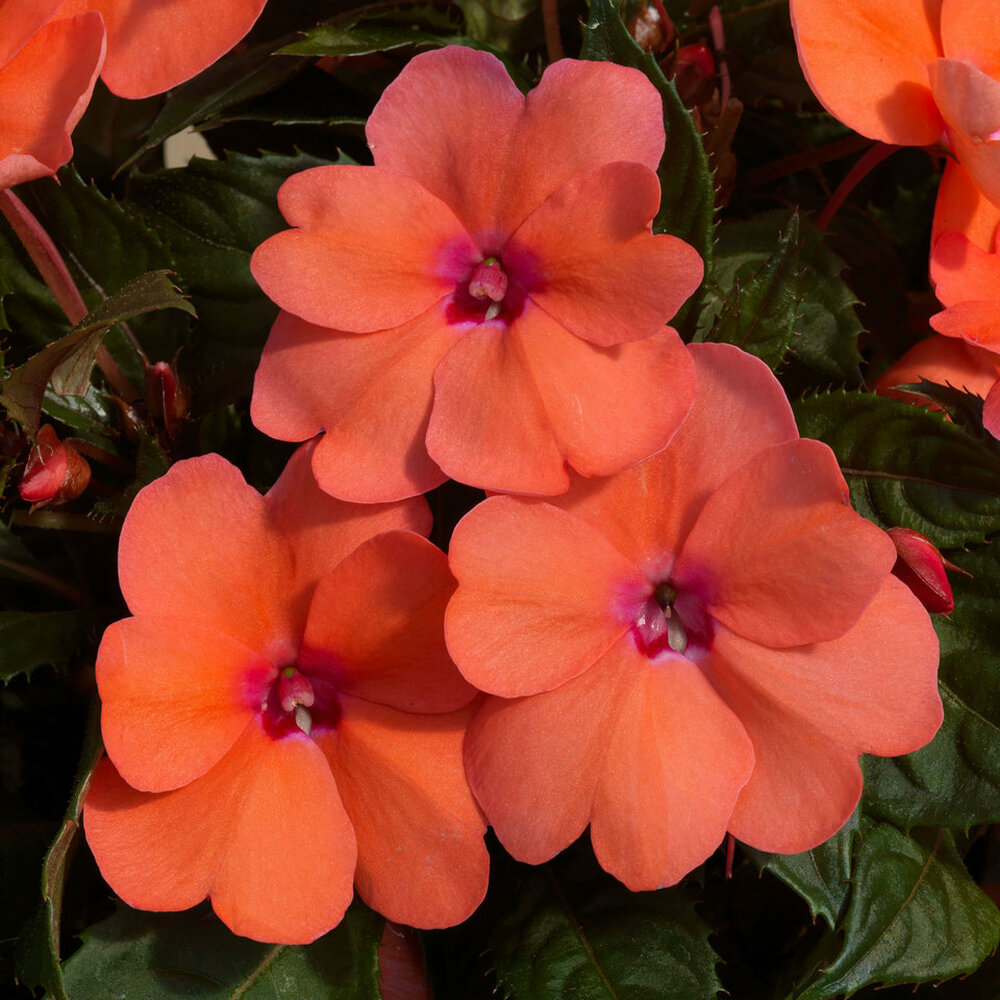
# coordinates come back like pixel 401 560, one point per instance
pixel 550 20
pixel 855 175
pixel 56 276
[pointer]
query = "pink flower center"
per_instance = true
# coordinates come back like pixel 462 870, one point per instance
pixel 670 622
pixel 296 702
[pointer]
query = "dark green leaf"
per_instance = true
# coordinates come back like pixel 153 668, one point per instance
pixel 68 362
pixel 213 215
pixel 914 915
pixel 597 941
pixel 955 780
pixel 820 876
pixel 687 193
pixel 30 639
pixel 964 408
pixel 509 25
pixel 365 38
pixel 759 311
pixel 826 326
pixel 159 956
pixel 234 78
pixel 39 959
pixel 907 466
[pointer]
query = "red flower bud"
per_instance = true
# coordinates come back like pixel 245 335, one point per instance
pixel 920 566
pixel 167 397
pixel 55 471
pixel 693 73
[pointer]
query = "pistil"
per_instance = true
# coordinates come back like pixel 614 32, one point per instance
pixel 489 282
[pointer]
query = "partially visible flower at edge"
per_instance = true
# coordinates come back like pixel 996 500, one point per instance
pixel 49 62
pixel 487 302
pixel 909 73
pixel 282 720
pixel 704 642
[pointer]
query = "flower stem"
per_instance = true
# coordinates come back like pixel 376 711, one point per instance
pixel 855 175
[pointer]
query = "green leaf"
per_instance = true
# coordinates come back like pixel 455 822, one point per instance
pixel 159 956
pixel 687 193
pixel 826 326
pixel 39 959
pixel 30 639
pixel 213 215
pixel 594 940
pixel 507 25
pixel 820 876
pixel 360 39
pixel 234 78
pixel 908 466
pixel 68 362
pixel 914 915
pixel 759 311
pixel 955 780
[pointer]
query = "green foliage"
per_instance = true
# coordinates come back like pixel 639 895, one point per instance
pixel 914 915
pixel 687 195
pixel 161 956
pixel 569 937
pixel 907 466
pixel 820 876
pixel 955 780
pixel 67 363
pixel 776 276
pixel 759 311
pixel 212 215
pixel 30 639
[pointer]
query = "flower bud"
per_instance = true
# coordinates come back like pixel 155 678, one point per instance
pixel 55 472
pixel 693 73
pixel 167 397
pixel 920 566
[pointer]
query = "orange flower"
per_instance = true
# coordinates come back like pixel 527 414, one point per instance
pixel 153 46
pixel 704 642
pixel 487 302
pixel 49 63
pixel 281 716
pixel 908 72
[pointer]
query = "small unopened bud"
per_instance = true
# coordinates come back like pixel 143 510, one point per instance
pixel 693 74
pixel 920 566
pixel 55 472
pixel 167 397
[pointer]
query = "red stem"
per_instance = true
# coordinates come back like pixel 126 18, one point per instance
pixel 871 159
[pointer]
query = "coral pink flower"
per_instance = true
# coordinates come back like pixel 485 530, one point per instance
pixel 706 641
pixel 487 302
pixel 49 63
pixel 910 71
pixel 153 46
pixel 282 719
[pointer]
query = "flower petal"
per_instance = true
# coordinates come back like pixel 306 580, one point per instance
pixel 811 711
pixel 975 322
pixel 322 531
pixel 263 832
pixel 377 626
pixel 945 361
pixel 962 207
pixel 608 407
pixel 155 46
pixel 867 60
pixel 778 555
pixel 371 249
pixel 422 860
pixel 613 281
pixel 198 544
pixel 371 394
pixel 46 88
pixel 970 104
pixel 454 121
pixel 964 272
pixel 175 697
pixel 648 510
pixel 489 427
pixel 539 596
pixel 676 760
pixel 19 20
pixel 969 31
pixel 533 763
